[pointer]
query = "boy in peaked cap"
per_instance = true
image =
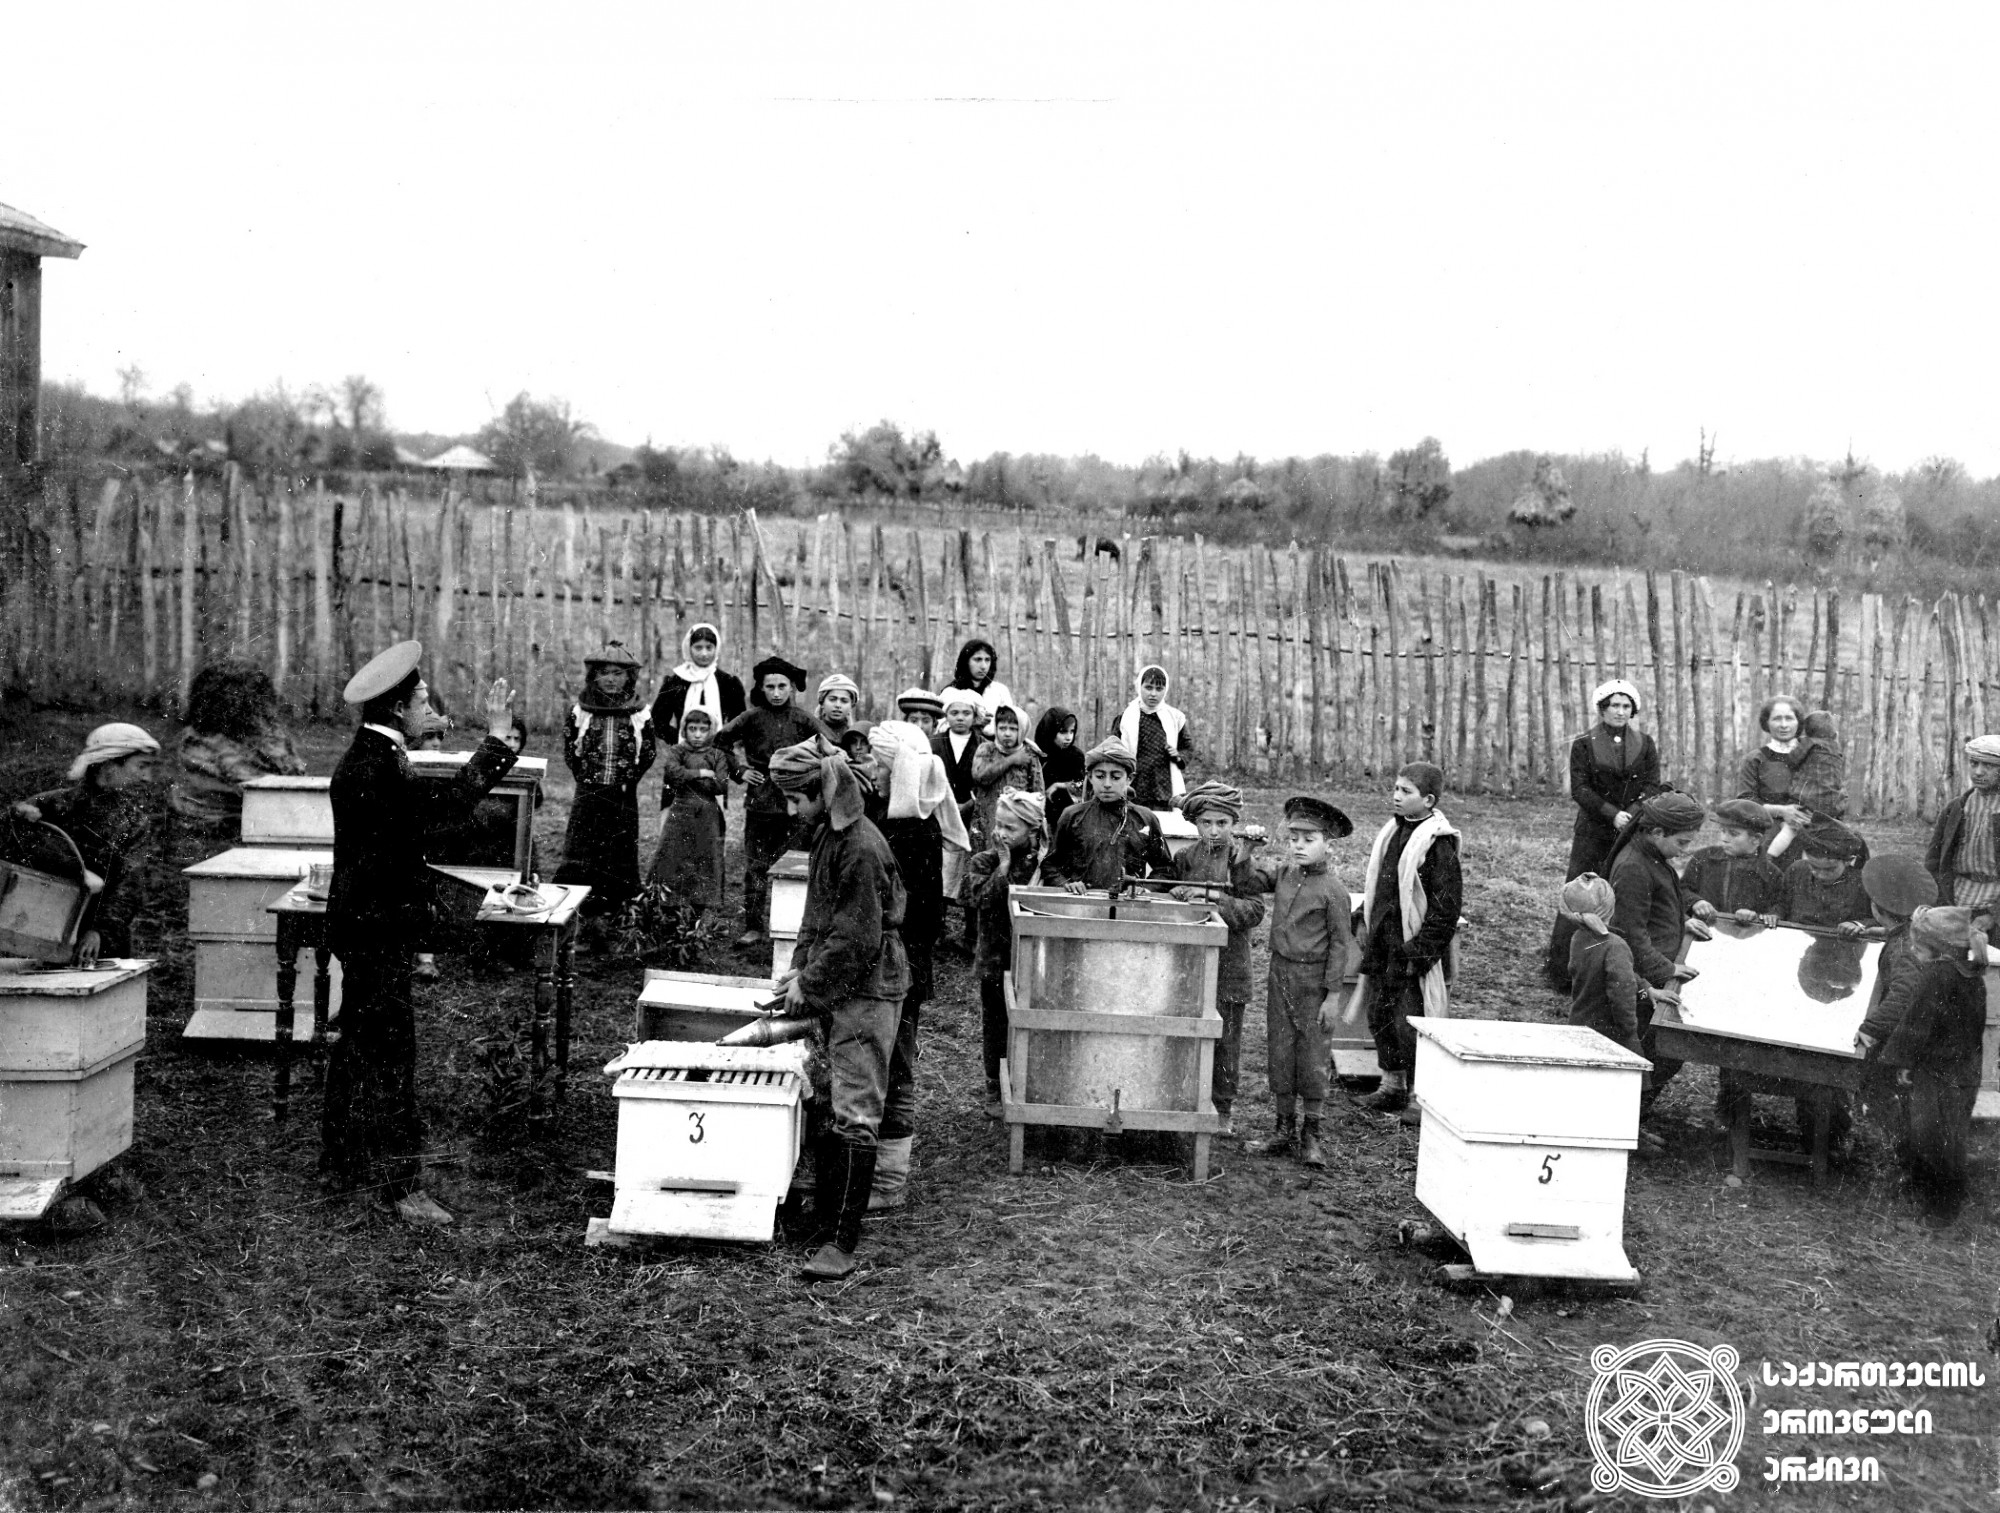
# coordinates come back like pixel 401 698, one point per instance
pixel 1734 877
pixel 1312 943
pixel 772 722
pixel 1223 861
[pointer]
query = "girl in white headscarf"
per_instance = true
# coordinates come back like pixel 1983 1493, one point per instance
pixel 1157 734
pixel 697 683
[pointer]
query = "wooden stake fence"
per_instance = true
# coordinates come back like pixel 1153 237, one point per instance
pixel 1301 665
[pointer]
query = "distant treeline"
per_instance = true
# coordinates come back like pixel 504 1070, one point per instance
pixel 1928 530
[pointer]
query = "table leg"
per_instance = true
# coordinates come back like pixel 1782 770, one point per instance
pixel 322 1006
pixel 1201 1158
pixel 1739 1136
pixel 1822 1135
pixel 288 982
pixel 565 998
pixel 538 1028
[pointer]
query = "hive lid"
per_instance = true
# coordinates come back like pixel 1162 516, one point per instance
pixel 688 1054
pixel 286 784
pixel 20 979
pixel 277 863
pixel 525 771
pixel 668 992
pixel 1525 1043
pixel 793 866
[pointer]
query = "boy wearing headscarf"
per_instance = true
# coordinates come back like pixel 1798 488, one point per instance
pixel 1010 860
pixel 1651 909
pixel 1312 942
pixel 773 722
pixel 1157 735
pixel 850 971
pixel 1735 877
pixel 697 683
pixel 839 698
pixel 1106 838
pixel 1823 887
pixel 918 821
pixel 609 746
pixel 1412 892
pixel 1222 860
pixel 1964 854
pixel 1939 1016
pixel 108 810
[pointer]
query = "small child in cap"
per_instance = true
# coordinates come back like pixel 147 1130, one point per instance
pixel 1312 943
pixel 1222 860
pixel 1604 985
pixel 1735 877
pixel 1013 858
pixel 921 708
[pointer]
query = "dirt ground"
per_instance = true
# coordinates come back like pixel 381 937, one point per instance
pixel 1097 1333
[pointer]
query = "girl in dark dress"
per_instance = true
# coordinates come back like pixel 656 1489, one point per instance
pixel 1613 768
pixel 694 785
pixel 1062 760
pixel 608 743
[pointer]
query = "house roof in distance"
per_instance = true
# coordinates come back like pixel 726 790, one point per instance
pixel 21 232
pixel 463 459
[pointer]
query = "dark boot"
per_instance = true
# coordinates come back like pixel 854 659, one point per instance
pixel 1284 1139
pixel 854 1166
pixel 1309 1151
pixel 829 1172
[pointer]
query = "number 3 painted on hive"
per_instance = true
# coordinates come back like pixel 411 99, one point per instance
pixel 1548 1172
pixel 700 1134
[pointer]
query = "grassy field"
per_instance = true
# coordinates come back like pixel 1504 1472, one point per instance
pixel 1098 1333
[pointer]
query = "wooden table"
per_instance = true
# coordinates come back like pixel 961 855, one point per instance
pixel 1764 1044
pixel 302 924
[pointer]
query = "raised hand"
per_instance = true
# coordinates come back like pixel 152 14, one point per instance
pixel 500 709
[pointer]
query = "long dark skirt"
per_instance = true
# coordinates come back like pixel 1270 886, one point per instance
pixel 601 850
pixel 689 860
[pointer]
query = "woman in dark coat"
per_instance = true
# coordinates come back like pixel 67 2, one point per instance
pixel 1798 772
pixel 1613 768
pixel 696 681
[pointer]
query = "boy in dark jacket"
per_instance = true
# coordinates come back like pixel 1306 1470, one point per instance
pixel 1651 909
pixel 1011 860
pixel 1823 888
pixel 1939 1014
pixel 1224 862
pixel 850 971
pixel 1106 838
pixel 773 721
pixel 1734 878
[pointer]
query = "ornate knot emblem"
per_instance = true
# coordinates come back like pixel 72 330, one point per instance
pixel 1665 1418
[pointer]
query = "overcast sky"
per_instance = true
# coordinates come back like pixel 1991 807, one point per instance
pixel 1071 228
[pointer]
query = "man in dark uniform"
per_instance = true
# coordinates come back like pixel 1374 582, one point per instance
pixel 371 1133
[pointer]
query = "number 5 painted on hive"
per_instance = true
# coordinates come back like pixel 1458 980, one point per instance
pixel 700 1133
pixel 1548 1172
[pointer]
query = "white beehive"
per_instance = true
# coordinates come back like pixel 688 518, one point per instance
pixel 1987 1104
pixel 697 1006
pixel 68 1040
pixel 788 907
pixel 236 942
pixel 288 811
pixel 1525 1133
pixel 708 1136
